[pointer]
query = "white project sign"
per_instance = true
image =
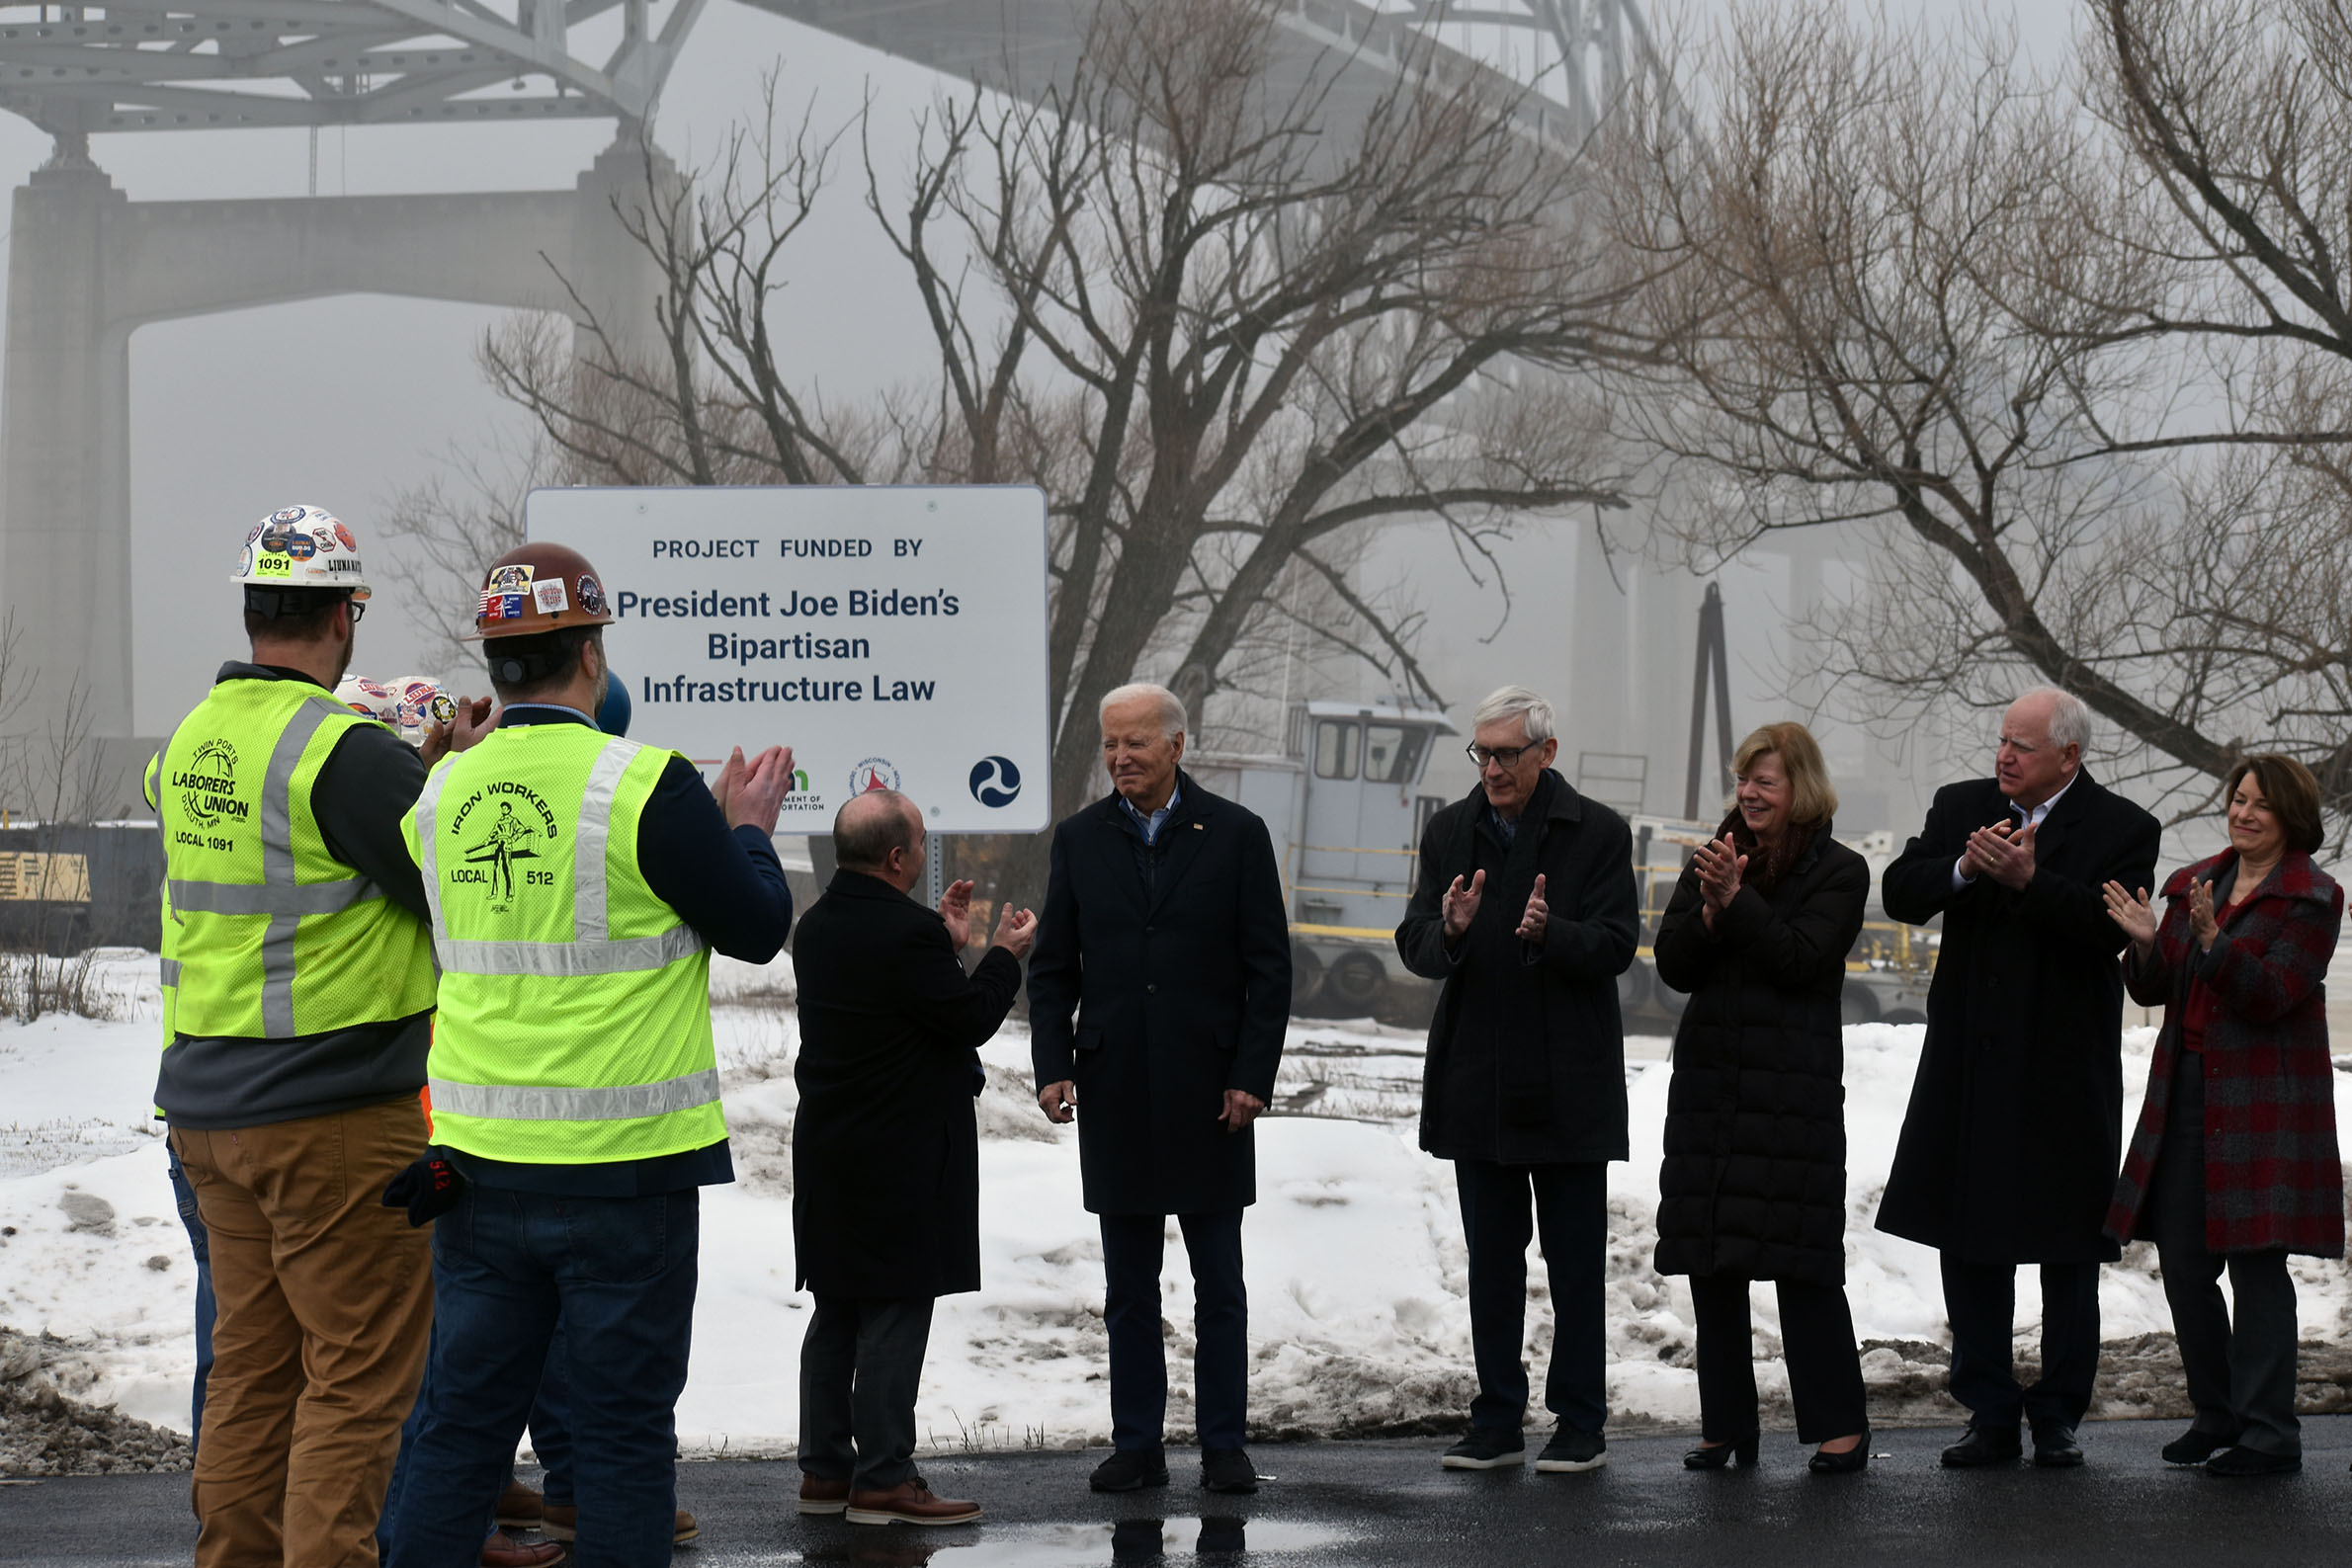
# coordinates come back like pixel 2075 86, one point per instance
pixel 893 636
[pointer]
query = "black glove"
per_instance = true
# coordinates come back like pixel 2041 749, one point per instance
pixel 428 1188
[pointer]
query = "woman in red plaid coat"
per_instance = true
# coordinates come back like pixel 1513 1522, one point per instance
pixel 2235 1161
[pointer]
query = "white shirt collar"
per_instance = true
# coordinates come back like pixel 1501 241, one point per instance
pixel 2033 818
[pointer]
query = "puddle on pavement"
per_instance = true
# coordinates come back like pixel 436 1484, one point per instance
pixel 1140 1541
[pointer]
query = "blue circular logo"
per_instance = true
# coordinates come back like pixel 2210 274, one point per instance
pixel 995 782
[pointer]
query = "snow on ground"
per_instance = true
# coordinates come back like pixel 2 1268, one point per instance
pixel 1358 1321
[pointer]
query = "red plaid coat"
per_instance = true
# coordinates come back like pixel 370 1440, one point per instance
pixel 2273 1176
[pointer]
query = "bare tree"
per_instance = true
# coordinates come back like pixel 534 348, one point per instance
pixel 1225 315
pixel 1898 306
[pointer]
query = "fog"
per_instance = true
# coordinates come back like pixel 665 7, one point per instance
pixel 344 402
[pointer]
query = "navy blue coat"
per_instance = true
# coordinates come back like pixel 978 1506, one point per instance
pixel 1155 1003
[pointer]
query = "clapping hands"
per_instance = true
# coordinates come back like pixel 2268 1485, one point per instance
pixel 2003 853
pixel 2201 915
pixel 1719 866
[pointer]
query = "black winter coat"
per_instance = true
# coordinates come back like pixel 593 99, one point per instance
pixel 1753 1184
pixel 1527 1051
pixel 885 1158
pixel 1154 997
pixel 2014 1133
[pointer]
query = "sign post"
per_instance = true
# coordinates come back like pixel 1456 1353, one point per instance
pixel 893 636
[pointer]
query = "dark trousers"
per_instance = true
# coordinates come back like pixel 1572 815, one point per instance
pixel 1131 1251
pixel 619 1274
pixel 1572 1212
pixel 1817 1340
pixel 859 1367
pixel 1980 1299
pixel 550 1442
pixel 183 1198
pixel 2241 1374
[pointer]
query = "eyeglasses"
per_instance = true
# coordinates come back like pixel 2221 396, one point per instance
pixel 1508 756
pixel 359 610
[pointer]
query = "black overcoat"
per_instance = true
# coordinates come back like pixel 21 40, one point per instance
pixel 885 1157
pixel 1154 990
pixel 1527 1051
pixel 1753 1184
pixel 2014 1133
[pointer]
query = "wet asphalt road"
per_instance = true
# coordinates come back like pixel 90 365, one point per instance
pixel 1335 1504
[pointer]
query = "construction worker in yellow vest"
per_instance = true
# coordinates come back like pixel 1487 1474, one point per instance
pixel 579 884
pixel 297 1006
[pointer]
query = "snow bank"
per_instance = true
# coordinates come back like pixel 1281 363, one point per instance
pixel 1357 1271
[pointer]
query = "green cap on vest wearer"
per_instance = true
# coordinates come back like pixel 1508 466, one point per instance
pixel 266 934
pixel 574 1025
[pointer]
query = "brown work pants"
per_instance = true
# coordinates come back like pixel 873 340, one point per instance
pixel 325 1305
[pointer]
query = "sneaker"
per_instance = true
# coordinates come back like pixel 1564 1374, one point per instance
pixel 1485 1448
pixel 1130 1470
pixel 1228 1470
pixel 1983 1446
pixel 824 1497
pixel 2243 1463
pixel 911 1502
pixel 2194 1447
pixel 561 1521
pixel 1570 1452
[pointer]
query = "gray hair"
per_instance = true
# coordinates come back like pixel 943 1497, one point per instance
pixel 1172 706
pixel 1509 702
pixel 2069 717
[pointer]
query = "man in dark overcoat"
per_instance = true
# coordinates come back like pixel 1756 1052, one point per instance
pixel 2010 1145
pixel 886 1156
pixel 1158 1002
pixel 1525 907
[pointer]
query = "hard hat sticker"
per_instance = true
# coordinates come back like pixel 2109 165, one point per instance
pixel 592 596
pixel 550 597
pixel 292 513
pixel 300 546
pixel 511 579
pixel 343 534
pixel 325 538
pixel 272 566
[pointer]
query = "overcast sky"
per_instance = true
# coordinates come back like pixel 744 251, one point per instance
pixel 344 402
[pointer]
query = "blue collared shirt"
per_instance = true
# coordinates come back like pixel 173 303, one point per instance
pixel 1158 819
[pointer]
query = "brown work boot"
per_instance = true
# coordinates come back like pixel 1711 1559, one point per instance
pixel 561 1521
pixel 824 1497
pixel 518 1507
pixel 502 1550
pixel 908 1502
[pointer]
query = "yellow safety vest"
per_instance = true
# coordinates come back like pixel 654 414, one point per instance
pixel 575 1005
pixel 265 933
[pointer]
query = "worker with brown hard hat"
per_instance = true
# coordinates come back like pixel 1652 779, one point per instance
pixel 579 884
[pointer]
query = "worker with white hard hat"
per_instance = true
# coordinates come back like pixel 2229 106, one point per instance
pixel 297 1003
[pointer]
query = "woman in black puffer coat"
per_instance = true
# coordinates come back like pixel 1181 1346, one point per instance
pixel 1755 1180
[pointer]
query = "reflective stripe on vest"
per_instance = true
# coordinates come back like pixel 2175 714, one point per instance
pixel 626 1103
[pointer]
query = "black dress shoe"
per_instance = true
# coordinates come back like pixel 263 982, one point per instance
pixel 2054 1448
pixel 1716 1456
pixel 1852 1462
pixel 1983 1446
pixel 2243 1463
pixel 1228 1470
pixel 2196 1446
pixel 1131 1470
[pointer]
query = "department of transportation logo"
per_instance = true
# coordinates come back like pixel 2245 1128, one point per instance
pixel 207 786
pixel 995 782
pixel 510 826
pixel 875 772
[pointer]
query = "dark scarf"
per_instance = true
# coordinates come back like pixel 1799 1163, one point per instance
pixel 1764 872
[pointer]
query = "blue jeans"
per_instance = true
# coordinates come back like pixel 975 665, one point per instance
pixel 550 1439
pixel 619 1274
pixel 184 1197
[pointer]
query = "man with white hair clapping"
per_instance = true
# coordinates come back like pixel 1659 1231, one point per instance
pixel 2015 1128
pixel 1526 910
pixel 1158 995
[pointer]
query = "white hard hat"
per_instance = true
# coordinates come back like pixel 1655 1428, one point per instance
pixel 410 704
pixel 301 547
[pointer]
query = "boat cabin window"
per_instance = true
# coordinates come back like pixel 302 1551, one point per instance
pixel 1338 748
pixel 1393 752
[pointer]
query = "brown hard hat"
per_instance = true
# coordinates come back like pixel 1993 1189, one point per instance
pixel 540 587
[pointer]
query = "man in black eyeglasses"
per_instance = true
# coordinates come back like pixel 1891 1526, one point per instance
pixel 1526 910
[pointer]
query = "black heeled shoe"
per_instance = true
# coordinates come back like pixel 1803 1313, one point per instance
pixel 1852 1462
pixel 1714 1455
